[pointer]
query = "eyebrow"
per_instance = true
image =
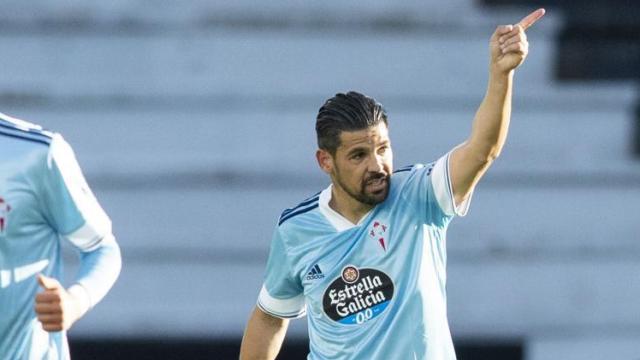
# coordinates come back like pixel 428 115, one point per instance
pixel 366 148
pixel 357 149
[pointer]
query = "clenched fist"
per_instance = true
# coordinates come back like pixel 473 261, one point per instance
pixel 57 309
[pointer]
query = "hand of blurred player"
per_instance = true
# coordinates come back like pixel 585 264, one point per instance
pixel 56 308
pixel 509 46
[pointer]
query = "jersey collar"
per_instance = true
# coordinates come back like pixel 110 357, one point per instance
pixel 339 222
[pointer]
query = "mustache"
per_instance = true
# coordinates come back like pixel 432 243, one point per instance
pixel 375 176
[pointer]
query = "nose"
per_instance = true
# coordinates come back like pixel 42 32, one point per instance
pixel 376 164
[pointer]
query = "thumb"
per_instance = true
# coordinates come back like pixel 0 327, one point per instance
pixel 48 283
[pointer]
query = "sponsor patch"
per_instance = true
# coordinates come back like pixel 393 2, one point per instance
pixel 358 295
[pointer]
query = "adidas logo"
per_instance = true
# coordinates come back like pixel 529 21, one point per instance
pixel 315 273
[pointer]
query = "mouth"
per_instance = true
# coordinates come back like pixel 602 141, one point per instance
pixel 376 185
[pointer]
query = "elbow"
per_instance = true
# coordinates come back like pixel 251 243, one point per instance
pixel 116 257
pixel 493 150
pixel 493 154
pixel 100 268
pixel 488 156
pixel 110 252
pixel 484 152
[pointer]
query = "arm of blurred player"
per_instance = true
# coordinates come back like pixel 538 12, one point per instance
pixel 74 213
pixel 470 160
pixel 263 336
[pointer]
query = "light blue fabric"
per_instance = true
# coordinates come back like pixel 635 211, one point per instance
pixel 375 290
pixel 44 199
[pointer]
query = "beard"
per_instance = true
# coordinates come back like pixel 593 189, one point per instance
pixel 369 197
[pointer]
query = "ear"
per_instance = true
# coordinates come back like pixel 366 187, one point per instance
pixel 325 160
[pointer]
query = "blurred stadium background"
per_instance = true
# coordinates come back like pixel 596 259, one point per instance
pixel 194 122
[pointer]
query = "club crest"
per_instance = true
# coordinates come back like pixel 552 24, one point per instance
pixel 5 208
pixel 379 232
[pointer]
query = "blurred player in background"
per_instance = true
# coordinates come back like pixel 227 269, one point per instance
pixel 44 198
pixel 365 258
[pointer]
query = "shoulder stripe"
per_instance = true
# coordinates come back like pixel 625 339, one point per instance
pixel 300 205
pixel 402 170
pixel 296 213
pixel 405 168
pixel 430 168
pixel 25 136
pixel 304 203
pixel 32 131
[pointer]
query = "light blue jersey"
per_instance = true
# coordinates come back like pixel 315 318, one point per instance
pixel 372 290
pixel 43 199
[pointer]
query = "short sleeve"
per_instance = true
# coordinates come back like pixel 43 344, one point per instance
pixel 282 292
pixel 427 191
pixel 68 202
pixel 443 190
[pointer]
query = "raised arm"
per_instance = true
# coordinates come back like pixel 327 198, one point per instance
pixel 263 336
pixel 470 160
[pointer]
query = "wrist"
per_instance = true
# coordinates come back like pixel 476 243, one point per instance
pixel 496 73
pixel 500 77
pixel 81 298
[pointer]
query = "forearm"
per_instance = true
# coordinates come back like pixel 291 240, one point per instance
pixel 263 337
pixel 491 123
pixel 98 271
pixel 470 161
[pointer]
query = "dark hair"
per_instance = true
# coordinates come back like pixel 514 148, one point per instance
pixel 346 112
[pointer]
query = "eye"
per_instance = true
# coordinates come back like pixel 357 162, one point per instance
pixel 357 156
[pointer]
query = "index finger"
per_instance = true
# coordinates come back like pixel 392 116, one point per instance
pixel 531 18
pixel 47 297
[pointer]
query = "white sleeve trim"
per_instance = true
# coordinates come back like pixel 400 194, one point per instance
pixel 443 189
pixel 87 238
pixel 283 308
pixel 97 223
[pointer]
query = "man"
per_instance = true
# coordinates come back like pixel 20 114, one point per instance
pixel 44 198
pixel 365 258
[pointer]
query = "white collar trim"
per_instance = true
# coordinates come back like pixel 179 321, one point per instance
pixel 338 221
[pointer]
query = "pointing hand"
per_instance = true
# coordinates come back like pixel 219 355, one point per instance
pixel 509 46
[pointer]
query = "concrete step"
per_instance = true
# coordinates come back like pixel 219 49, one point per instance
pixel 140 15
pixel 166 146
pixel 526 299
pixel 221 65
pixel 578 346
pixel 499 299
pixel 235 225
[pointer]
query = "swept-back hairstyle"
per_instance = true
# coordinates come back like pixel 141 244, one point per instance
pixel 346 112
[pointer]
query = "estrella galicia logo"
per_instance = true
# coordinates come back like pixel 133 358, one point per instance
pixel 358 295
pixel 315 273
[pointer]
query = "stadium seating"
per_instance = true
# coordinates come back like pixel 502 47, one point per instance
pixel 194 125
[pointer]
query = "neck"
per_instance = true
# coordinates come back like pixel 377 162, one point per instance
pixel 345 205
